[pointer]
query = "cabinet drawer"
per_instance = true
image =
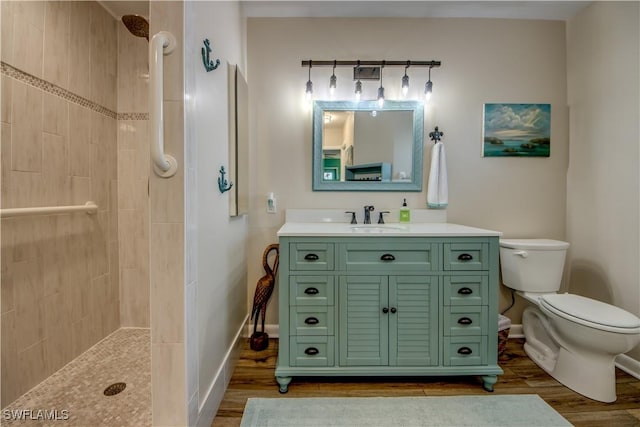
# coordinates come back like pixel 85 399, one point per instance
pixel 465 320
pixel 389 257
pixel 311 351
pixel 466 256
pixel 465 290
pixel 311 256
pixel 311 290
pixel 465 351
pixel 310 320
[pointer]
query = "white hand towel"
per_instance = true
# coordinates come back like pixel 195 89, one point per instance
pixel 437 192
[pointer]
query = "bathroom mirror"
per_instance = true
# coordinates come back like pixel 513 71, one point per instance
pixel 238 142
pixel 358 146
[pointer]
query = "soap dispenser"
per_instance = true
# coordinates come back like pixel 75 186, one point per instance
pixel 405 213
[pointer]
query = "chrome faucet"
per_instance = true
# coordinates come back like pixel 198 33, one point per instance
pixel 367 214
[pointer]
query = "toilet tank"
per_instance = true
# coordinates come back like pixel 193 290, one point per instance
pixel 532 265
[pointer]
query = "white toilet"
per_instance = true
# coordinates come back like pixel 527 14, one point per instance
pixel 573 338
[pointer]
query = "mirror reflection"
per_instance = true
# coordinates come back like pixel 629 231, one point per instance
pixel 359 146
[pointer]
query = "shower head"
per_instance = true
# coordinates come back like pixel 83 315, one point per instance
pixel 137 25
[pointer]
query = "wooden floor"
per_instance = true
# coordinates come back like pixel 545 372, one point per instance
pixel 253 377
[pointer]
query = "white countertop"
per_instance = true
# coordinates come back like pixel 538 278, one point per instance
pixel 302 229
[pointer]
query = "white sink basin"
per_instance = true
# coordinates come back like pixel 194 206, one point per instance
pixel 377 228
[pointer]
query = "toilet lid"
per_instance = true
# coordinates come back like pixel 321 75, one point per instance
pixel 532 244
pixel 594 313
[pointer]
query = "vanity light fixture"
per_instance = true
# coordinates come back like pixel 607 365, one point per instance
pixel 368 70
pixel 309 90
pixel 332 80
pixel 405 80
pixel 381 89
pixel 428 87
pixel 358 83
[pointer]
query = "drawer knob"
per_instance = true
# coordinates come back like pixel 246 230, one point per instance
pixel 393 310
pixel 387 257
pixel 385 310
pixel 311 257
pixel 311 291
pixel 311 351
pixel 464 350
pixel 311 320
pixel 465 257
pixel 465 321
pixel 465 291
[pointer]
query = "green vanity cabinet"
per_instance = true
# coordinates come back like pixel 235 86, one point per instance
pixel 388 306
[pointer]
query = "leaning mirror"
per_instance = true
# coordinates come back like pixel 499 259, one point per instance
pixel 358 146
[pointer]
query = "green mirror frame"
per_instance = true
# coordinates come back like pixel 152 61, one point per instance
pixel 415 184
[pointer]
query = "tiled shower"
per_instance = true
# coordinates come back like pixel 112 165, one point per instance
pixel 74 129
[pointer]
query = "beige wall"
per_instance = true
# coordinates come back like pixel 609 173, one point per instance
pixel 603 65
pixel 483 60
pixel 59 143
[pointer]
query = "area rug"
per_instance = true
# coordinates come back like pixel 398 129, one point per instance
pixel 505 410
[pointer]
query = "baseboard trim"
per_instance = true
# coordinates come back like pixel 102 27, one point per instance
pixel 207 411
pixel 628 364
pixel 516 331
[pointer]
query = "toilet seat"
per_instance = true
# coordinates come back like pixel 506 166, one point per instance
pixel 591 313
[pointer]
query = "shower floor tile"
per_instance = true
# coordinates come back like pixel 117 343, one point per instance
pixel 74 395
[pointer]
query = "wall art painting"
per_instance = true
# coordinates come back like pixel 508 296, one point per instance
pixel 516 130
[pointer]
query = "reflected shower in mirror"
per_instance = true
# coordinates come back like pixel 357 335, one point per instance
pixel 358 146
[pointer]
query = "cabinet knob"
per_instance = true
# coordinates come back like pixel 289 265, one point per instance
pixel 311 291
pixel 311 320
pixel 311 351
pixel 465 321
pixel 385 310
pixel 465 291
pixel 465 351
pixel 311 257
pixel 465 257
pixel 393 310
pixel 387 257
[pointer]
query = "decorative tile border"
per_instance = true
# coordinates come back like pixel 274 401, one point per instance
pixel 133 116
pixel 51 88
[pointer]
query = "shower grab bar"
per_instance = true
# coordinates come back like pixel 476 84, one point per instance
pixel 161 43
pixel 89 208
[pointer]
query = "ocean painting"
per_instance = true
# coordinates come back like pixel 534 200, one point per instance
pixel 517 130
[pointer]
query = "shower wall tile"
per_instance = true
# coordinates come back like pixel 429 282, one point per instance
pixel 5 106
pixel 31 366
pixel 26 130
pixel 134 286
pixel 80 49
pixel 28 36
pixel 56 42
pixel 133 72
pixel 168 385
pixel 167 283
pixel 6 21
pixel 79 141
pixel 9 375
pixel 55 115
pixel 5 163
pixel 103 54
pixel 54 170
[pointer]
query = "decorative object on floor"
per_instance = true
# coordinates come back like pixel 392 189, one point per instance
pixel 223 184
pixel 209 65
pixel 516 130
pixel 506 410
pixel 264 289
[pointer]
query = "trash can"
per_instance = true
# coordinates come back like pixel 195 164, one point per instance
pixel 504 324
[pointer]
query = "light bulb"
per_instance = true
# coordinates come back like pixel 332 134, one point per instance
pixel 405 85
pixel 332 85
pixel 380 96
pixel 309 90
pixel 428 90
pixel 358 90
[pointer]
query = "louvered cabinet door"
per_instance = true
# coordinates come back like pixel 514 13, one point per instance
pixel 364 334
pixel 413 320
